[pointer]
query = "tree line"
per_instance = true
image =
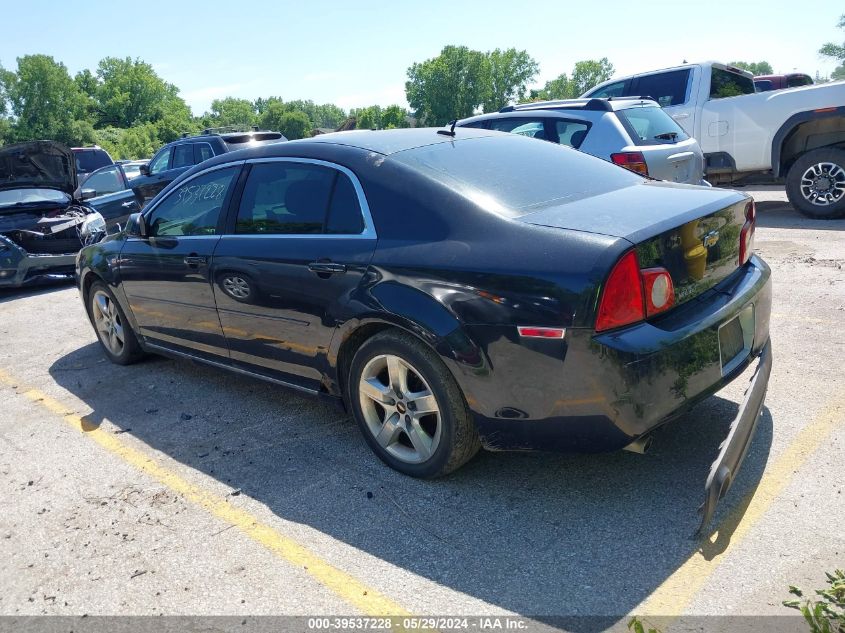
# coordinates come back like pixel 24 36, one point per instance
pixel 125 107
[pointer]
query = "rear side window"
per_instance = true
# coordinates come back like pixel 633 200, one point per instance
pixel 798 80
pixel 616 89
pixel 571 133
pixel 202 151
pixel 345 216
pixel 285 198
pixel 651 126
pixel 183 155
pixel 667 89
pixel 532 128
pixel 724 83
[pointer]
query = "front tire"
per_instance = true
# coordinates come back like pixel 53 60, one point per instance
pixel 115 334
pixel 815 184
pixel 409 407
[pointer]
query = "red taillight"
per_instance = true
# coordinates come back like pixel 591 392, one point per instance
pixel 658 290
pixel 635 161
pixel 746 235
pixel 631 295
pixel 622 299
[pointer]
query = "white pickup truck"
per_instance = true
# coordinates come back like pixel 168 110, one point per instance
pixel 796 134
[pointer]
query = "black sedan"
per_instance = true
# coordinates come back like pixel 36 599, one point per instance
pixel 454 289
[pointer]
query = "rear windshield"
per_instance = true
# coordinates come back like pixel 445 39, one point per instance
pixel 793 81
pixel 512 175
pixel 91 159
pixel 651 126
pixel 724 83
pixel 258 137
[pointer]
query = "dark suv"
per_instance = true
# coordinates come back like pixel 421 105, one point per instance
pixel 90 159
pixel 180 155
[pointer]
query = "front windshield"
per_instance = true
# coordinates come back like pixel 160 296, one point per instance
pixel 13 197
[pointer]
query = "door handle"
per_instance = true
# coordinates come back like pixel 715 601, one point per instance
pixel 128 204
pixel 193 260
pixel 326 268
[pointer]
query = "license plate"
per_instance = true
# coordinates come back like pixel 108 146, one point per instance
pixel 735 339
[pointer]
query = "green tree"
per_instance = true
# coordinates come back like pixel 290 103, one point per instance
pixel 45 102
pixel 558 88
pixel 367 118
pixel 232 111
pixel 833 50
pixel 838 73
pixel 131 93
pixel 394 116
pixel 450 86
pixel 589 73
pixel 293 124
pixel 755 68
pixel 509 73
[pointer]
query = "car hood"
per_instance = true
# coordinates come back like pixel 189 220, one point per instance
pixel 38 164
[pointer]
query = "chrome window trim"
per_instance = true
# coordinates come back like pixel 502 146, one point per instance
pixel 369 232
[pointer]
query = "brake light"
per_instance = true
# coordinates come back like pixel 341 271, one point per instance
pixel 635 161
pixel 622 298
pixel 746 235
pixel 631 295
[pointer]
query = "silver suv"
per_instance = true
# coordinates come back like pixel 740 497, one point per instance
pixel 631 131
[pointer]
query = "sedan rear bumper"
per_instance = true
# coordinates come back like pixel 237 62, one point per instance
pixel 723 471
pixel 595 393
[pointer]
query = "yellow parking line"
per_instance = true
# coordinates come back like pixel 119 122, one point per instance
pixel 366 599
pixel 676 593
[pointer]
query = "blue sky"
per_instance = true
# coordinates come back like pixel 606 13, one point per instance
pixel 357 53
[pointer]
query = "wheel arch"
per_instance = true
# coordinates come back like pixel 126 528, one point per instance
pixel 455 348
pixel 804 132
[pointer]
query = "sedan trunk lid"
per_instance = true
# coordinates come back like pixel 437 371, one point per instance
pixel 693 232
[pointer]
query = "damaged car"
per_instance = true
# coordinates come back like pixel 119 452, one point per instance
pixel 44 218
pixel 453 288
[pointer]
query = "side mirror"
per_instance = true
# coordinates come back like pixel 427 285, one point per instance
pixel 136 226
pixel 145 170
pixel 87 194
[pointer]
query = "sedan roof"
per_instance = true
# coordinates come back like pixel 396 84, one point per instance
pixel 392 141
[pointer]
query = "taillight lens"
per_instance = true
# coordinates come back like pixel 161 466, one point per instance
pixel 658 290
pixel 635 161
pixel 622 299
pixel 631 295
pixel 746 235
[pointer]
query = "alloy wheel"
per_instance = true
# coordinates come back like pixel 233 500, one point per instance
pixel 236 286
pixel 400 409
pixel 107 322
pixel 823 184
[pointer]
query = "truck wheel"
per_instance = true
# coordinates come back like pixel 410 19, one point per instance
pixel 815 184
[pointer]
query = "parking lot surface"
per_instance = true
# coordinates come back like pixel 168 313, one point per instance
pixel 172 488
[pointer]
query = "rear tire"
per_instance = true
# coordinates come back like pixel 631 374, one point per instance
pixel 409 407
pixel 114 332
pixel 815 184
